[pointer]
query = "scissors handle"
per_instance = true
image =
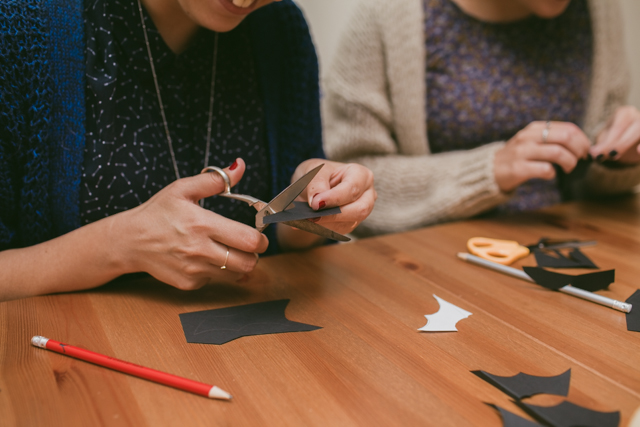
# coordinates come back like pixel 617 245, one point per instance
pixel 501 251
pixel 251 201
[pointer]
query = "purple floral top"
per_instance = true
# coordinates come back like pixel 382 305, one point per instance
pixel 487 81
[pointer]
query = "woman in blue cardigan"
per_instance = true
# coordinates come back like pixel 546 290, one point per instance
pixel 109 111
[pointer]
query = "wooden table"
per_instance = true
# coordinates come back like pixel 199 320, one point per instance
pixel 368 365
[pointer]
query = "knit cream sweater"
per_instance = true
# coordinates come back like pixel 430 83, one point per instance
pixel 374 113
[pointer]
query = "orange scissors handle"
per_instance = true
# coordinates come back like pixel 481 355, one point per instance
pixel 500 251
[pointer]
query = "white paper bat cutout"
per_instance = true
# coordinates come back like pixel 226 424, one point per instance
pixel 445 319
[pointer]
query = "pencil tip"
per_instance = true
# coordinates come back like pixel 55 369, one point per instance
pixel 217 393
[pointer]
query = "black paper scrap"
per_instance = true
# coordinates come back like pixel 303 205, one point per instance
pixel 222 325
pixel 509 419
pixel 575 259
pixel 589 282
pixel 523 385
pixel 300 210
pixel 633 318
pixel 568 414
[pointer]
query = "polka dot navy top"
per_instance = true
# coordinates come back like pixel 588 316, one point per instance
pixel 127 158
pixel 486 81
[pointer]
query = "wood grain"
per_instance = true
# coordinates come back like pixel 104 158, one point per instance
pixel 368 365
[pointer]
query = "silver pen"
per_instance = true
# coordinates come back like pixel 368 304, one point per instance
pixel 576 292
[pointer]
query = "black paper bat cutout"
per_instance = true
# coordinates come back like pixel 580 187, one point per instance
pixel 567 414
pixel 523 385
pixel 589 282
pixel 633 318
pixel 226 324
pixel 300 210
pixel 576 259
pixel 509 419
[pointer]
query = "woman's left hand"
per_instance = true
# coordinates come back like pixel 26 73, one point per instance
pixel 620 139
pixel 346 185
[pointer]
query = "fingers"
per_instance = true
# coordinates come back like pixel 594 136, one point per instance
pixel 352 214
pixel 208 184
pixel 620 136
pixel 235 234
pixel 346 185
pixel 530 155
pixel 552 153
pixel 567 135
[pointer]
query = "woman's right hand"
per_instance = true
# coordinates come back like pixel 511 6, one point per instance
pixel 527 155
pixel 175 240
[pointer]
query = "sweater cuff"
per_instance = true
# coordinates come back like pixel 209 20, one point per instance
pixel 603 180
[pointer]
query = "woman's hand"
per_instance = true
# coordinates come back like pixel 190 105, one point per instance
pixel 529 155
pixel 347 185
pixel 175 240
pixel 620 139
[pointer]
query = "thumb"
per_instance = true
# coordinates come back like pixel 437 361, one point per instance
pixel 211 183
pixel 316 189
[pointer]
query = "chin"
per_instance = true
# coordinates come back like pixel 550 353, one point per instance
pixel 550 8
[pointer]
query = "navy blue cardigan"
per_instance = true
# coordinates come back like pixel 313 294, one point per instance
pixel 42 109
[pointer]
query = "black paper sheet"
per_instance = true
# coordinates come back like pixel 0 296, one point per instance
pixel 226 324
pixel 523 385
pixel 589 282
pixel 509 419
pixel 300 210
pixel 633 318
pixel 575 259
pixel 568 414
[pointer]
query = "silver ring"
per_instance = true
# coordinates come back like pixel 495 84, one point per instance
pixel 223 174
pixel 224 266
pixel 545 132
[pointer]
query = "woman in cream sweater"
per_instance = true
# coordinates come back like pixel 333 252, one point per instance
pixel 462 107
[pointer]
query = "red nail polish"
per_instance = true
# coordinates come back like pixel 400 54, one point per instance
pixel 322 204
pixel 314 219
pixel 234 165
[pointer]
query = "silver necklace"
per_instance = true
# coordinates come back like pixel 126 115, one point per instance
pixel 164 117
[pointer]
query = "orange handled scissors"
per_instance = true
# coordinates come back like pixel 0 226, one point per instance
pixel 507 251
pixel 500 251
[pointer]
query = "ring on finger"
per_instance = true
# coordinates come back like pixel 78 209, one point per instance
pixel 545 131
pixel 226 258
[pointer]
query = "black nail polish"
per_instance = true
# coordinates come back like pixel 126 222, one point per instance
pixel 589 157
pixel 599 157
pixel 613 153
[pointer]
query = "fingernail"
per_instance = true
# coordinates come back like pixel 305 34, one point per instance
pixel 321 205
pixel 599 157
pixel 589 157
pixel 613 153
pixel 314 219
pixel 234 165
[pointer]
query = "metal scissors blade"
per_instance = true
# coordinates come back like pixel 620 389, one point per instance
pixel 286 196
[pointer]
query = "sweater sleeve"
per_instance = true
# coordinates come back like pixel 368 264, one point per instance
pixel 414 188
pixel 609 90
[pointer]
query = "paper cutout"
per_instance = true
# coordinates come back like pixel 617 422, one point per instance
pixel 575 259
pixel 567 414
pixel 300 210
pixel 589 282
pixel 226 324
pixel 509 419
pixel 445 319
pixel 523 385
pixel 633 318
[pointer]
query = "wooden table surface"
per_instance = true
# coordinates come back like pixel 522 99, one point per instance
pixel 368 365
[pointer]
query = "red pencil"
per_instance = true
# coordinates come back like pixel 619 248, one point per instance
pixel 131 369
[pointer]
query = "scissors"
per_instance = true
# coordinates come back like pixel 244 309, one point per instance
pixel 279 203
pixel 507 251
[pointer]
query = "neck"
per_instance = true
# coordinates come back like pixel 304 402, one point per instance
pixel 494 10
pixel 174 25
